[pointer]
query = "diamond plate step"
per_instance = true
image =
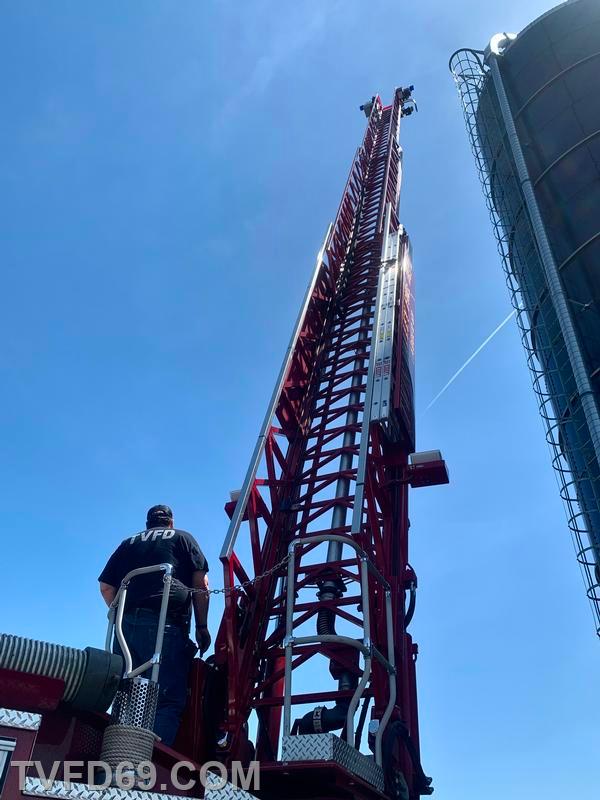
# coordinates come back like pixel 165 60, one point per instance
pixel 24 720
pixel 329 747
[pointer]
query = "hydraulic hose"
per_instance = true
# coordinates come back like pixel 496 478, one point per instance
pixel 398 730
pixel 410 612
pixel 323 719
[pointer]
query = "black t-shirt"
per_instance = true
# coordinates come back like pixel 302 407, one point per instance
pixel 157 546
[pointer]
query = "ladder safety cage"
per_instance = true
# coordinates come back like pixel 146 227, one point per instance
pixel 363 645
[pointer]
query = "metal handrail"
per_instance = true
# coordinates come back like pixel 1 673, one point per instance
pixel 389 621
pixel 242 501
pixel 115 621
pixel 365 645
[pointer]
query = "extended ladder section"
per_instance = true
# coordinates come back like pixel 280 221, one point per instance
pixel 314 642
pixel 385 326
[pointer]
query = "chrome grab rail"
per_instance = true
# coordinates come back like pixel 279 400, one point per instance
pixel 364 645
pixel 115 621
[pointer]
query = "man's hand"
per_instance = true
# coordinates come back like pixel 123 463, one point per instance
pixel 203 638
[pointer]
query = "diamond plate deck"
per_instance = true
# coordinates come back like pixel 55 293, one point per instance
pixel 228 792
pixel 80 791
pixel 328 747
pixel 20 719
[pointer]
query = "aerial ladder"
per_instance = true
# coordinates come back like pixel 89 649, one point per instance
pixel 313 674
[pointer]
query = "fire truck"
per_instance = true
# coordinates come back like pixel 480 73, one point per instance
pixel 311 691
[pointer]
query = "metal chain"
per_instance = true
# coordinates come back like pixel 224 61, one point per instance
pixel 239 586
pixel 225 591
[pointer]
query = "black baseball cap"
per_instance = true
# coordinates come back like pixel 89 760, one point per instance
pixel 159 513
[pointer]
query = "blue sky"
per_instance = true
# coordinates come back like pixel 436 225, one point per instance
pixel 168 172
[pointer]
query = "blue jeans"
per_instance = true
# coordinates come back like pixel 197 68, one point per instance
pixel 139 629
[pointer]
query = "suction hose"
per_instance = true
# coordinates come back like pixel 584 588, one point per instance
pixel 91 676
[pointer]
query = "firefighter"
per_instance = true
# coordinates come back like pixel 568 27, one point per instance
pixel 162 543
